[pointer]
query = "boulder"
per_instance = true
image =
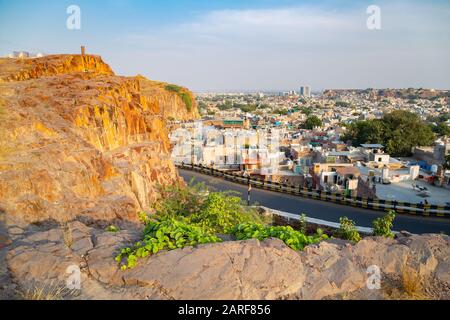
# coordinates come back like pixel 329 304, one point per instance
pixel 231 270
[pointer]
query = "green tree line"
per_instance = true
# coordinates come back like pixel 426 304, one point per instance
pixel 399 131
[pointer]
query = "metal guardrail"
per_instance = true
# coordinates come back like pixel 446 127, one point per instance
pixel 339 198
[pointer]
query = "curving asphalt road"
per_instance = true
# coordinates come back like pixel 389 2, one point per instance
pixel 320 209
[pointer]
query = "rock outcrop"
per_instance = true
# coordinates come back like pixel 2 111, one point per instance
pixel 231 270
pixel 78 141
pixel 25 69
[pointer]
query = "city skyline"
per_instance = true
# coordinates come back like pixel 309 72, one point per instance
pixel 247 45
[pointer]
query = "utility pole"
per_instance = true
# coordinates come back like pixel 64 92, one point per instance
pixel 249 189
pixel 248 192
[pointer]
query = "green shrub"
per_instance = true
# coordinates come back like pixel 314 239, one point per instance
pixel 186 97
pixel 182 93
pixel 303 223
pixel 220 212
pixel 180 201
pixel 347 230
pixel 143 217
pixel 192 215
pixel 216 211
pixel 168 233
pixel 294 239
pixel 382 226
pixel 112 228
pixel 173 88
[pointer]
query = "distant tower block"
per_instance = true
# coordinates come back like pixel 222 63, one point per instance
pixel 83 53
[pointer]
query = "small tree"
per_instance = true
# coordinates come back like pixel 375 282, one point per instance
pixel 347 230
pixel 312 122
pixel 447 162
pixel 382 226
pixel 303 223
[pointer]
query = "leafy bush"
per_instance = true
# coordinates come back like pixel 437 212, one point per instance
pixel 193 215
pixel 180 201
pixel 303 223
pixel 187 100
pixel 168 233
pixel 294 239
pixel 220 212
pixel 174 88
pixel 347 230
pixel 382 226
pixel 112 228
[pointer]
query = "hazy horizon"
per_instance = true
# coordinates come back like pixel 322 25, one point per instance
pixel 247 45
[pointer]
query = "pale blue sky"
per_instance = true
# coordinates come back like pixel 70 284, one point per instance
pixel 246 44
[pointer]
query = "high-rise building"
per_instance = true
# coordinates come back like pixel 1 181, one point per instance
pixel 305 91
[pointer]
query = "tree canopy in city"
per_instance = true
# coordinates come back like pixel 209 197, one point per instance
pixel 342 104
pixel 307 111
pixel 447 162
pixel 439 124
pixel 312 122
pixel 399 131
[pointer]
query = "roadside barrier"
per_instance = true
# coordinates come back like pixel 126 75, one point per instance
pixel 339 198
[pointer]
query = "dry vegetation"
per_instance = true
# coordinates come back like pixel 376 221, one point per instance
pixel 412 282
pixel 408 287
pixel 67 234
pixel 3 148
pixel 46 291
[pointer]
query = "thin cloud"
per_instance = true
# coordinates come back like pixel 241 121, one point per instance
pixel 285 47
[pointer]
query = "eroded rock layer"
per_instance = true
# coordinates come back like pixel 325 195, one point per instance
pixel 231 270
pixel 78 141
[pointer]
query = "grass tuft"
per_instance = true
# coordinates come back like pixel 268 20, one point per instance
pixel 44 291
pixel 67 234
pixel 412 282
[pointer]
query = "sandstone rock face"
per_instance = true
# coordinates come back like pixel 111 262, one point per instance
pixel 78 141
pixel 231 270
pixel 24 69
pixel 172 105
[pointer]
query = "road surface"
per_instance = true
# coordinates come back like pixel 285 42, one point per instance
pixel 320 209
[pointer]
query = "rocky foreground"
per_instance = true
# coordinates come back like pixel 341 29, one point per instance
pixel 332 269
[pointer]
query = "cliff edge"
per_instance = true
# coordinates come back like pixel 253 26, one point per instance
pixel 78 141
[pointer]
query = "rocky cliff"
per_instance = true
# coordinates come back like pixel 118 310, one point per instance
pixel 76 140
